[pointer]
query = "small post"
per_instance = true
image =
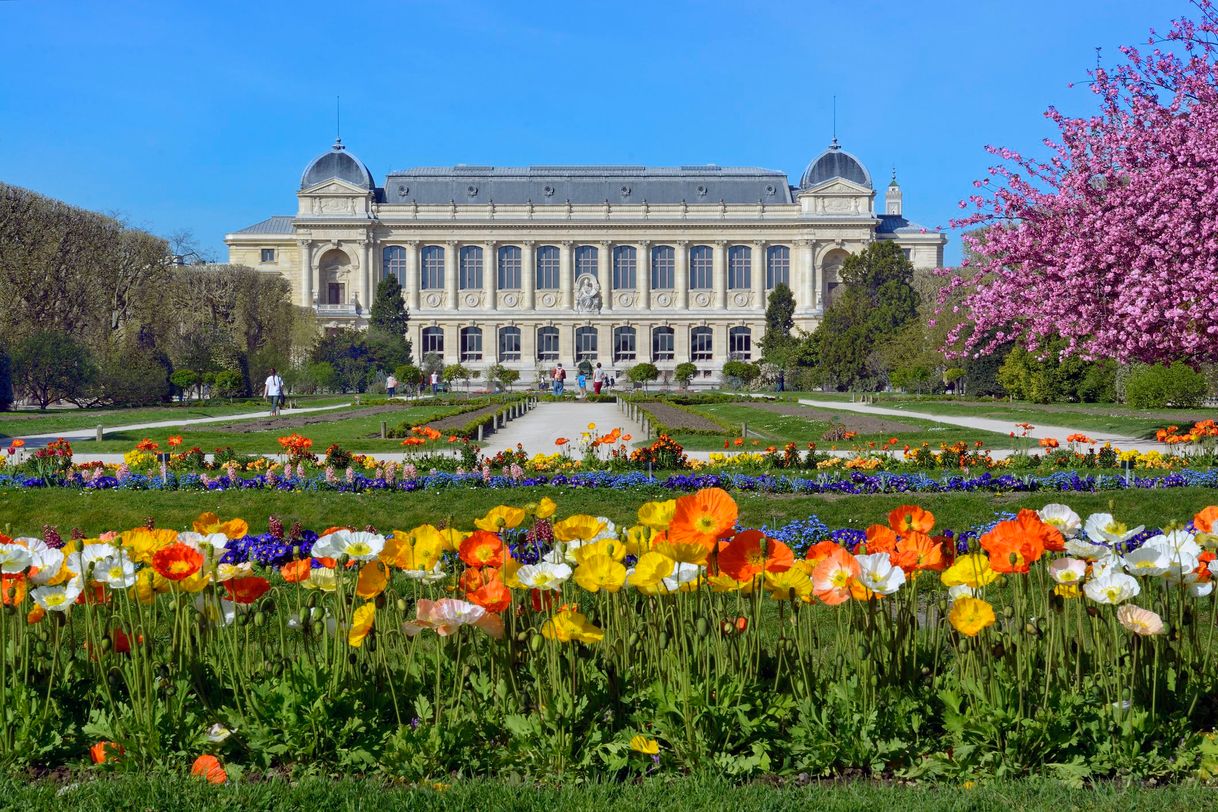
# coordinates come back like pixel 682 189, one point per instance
pixel 744 431
pixel 99 434
pixel 480 433
pixel 384 430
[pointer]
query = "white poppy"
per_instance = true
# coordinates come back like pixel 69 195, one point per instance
pixel 58 598
pixel 14 558
pixel 1112 588
pixel 879 574
pixel 1067 570
pixel 1061 517
pixel 1147 560
pixel 544 575
pixel 1103 528
pixel 116 572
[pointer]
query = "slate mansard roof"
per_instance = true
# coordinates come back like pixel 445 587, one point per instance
pixel 278 224
pixel 584 185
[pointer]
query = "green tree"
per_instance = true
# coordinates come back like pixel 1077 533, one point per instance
pixel 740 373
pixel 185 380
pixel 388 312
pixel 408 375
pixel 1156 386
pixel 347 351
pixel 457 372
pixel 642 374
pixel 229 383
pixel 685 372
pixel 504 376
pixel 778 346
pixel 52 366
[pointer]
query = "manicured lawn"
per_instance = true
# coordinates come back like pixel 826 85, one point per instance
pixel 25 512
pixel 771 428
pixel 143 791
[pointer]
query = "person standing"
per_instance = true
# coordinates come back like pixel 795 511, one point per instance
pixel 558 377
pixel 435 382
pixel 582 380
pixel 598 379
pixel 273 390
pixel 391 385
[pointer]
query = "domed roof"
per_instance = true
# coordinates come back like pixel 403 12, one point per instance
pixel 337 164
pixel 835 163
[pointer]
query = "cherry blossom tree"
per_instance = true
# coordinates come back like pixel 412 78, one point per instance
pixel 1111 241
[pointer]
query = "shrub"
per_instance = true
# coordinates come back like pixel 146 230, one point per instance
pixel 53 366
pixel 408 375
pixel 740 373
pixel 684 373
pixel 6 381
pixel 229 383
pixel 642 374
pixel 1158 386
pixel 184 380
pixel 131 376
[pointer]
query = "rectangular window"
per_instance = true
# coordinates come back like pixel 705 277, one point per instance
pixel 393 263
pixel 663 344
pixel 585 343
pixel 701 344
pixel 431 268
pixel 547 344
pixel 547 267
pixel 740 344
pixel 470 275
pixel 268 255
pixel 623 344
pixel 908 252
pixel 777 266
pixel 509 268
pixel 433 341
pixel 471 344
pixel 509 344
pixel 701 267
pixel 624 268
pixel 663 268
pixel 739 267
pixel 586 261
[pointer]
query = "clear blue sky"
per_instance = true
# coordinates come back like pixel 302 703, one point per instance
pixel 202 115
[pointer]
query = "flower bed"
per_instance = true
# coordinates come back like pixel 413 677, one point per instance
pixel 520 641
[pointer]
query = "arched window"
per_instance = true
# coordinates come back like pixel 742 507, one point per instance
pixel 625 262
pixel 509 343
pixel 663 344
pixel 740 344
pixel 831 269
pixel 624 344
pixel 433 341
pixel 585 343
pixel 470 273
pixel 701 267
pixel 701 344
pixel 777 266
pixel 547 267
pixel 431 268
pixel 663 267
pixel 393 263
pixel 471 344
pixel 586 261
pixel 739 267
pixel 509 268
pixel 547 343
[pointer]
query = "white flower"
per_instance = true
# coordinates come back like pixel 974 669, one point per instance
pixel 1082 548
pixel 359 545
pixel 1113 588
pixel 1067 570
pixel 218 733
pixel 116 572
pixel 1146 560
pixel 217 612
pixel 1195 586
pixel 960 591
pixel 14 558
pixel 609 531
pixel 1061 517
pixel 47 560
pixel 57 598
pixel 227 572
pixel 879 574
pixel 682 573
pixel 201 541
pixel 92 553
pixel 1103 528
pixel 431 576
pixel 1180 549
pixel 544 575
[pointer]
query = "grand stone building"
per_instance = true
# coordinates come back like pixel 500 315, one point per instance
pixel 527 266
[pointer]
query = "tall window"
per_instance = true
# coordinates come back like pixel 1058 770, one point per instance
pixel 663 267
pixel 268 254
pixel 393 263
pixel 701 267
pixel 777 266
pixel 701 344
pixel 625 262
pixel 509 343
pixel 739 267
pixel 585 343
pixel 470 274
pixel 624 344
pixel 547 343
pixel 547 267
pixel 740 343
pixel 431 268
pixel 663 344
pixel 509 268
pixel 433 340
pixel 586 261
pixel 471 344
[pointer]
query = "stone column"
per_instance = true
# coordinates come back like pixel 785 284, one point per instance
pixel 604 274
pixel 565 274
pixel 306 275
pixel 681 277
pixel 642 278
pixel 411 287
pixel 490 273
pixel 759 275
pixel 528 275
pixel 528 352
pixel 719 275
pixel 680 342
pixel 364 289
pixel 450 274
pixel 805 270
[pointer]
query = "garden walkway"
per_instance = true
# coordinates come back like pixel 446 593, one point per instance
pixel 538 429
pixel 1059 433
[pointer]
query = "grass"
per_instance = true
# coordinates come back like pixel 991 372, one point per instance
pixel 770 428
pixel 155 791
pixel 25 512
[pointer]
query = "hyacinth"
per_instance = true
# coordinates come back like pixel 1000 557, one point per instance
pixel 1109 242
pixel 51 536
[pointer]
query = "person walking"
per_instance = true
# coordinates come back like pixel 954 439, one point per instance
pixel 273 390
pixel 391 385
pixel 557 379
pixel 435 382
pixel 598 379
pixel 582 380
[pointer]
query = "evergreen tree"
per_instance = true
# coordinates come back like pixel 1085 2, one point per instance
pixel 387 323
pixel 777 345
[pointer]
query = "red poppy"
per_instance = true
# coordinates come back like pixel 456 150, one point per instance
pixel 561 441
pixel 177 561
pixel 174 440
pixel 493 596
pixel 751 554
pixel 911 517
pixel 482 549
pixel 294 572
pixel 209 767
pixel 246 590
pixel 101 752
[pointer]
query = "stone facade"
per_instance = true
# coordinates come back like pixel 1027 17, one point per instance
pixel 617 265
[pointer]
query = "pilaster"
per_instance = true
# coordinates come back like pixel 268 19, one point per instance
pixel 451 251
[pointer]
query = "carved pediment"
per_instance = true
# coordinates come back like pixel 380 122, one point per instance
pixel 335 187
pixel 838 187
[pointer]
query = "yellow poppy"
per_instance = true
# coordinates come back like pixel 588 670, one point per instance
pixel 600 572
pixel 545 508
pixel 638 540
pixel 499 518
pixel 657 515
pixel 373 578
pixel 650 571
pixel 361 624
pixel 970 615
pixel 609 547
pixel 208 523
pixel 580 527
pixel 793 582
pixel 644 745
pixel 683 551
pixel 568 625
pixel 148 583
pixel 972 570
pixel 141 542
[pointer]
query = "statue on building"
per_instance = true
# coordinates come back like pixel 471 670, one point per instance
pixel 587 295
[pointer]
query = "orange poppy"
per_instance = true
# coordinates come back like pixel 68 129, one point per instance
pixel 1203 567
pixel 821 550
pixel 12 589
pixel 35 615
pixel 294 572
pixel 1050 537
pixel 482 549
pixel 881 539
pixel 1011 547
pixel 493 596
pixel 918 551
pixel 1207 520
pixel 101 752
pixel 703 517
pixel 474 579
pixel 18 443
pixel 177 561
pixel 246 590
pixel 561 441
pixel 908 518
pixel 174 440
pixel 751 554
pixel 209 767
pixel 832 579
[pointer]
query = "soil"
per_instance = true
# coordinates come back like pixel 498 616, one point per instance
pixel 677 419
pixel 861 423
pixel 456 421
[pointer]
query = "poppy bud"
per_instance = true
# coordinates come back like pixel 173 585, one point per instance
pixel 701 627
pixel 259 619
pixel 401 605
pixel 535 643
pixel 662 640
